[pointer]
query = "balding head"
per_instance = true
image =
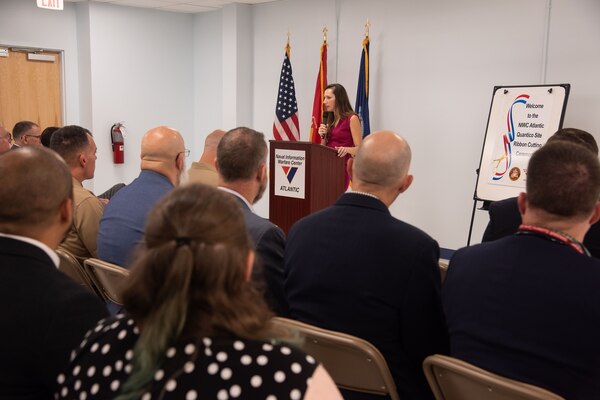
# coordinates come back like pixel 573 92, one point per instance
pixel 381 165
pixel 163 151
pixel 36 188
pixel 210 146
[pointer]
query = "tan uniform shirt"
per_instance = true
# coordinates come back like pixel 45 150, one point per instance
pixel 87 211
pixel 201 172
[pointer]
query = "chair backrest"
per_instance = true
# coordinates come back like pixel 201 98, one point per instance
pixel 352 362
pixel 71 267
pixel 454 379
pixel 107 277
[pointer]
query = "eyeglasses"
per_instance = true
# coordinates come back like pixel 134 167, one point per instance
pixel 38 137
pixel 185 152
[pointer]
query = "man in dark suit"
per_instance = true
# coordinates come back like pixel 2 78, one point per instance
pixel 504 214
pixel 354 268
pixel 242 166
pixel 44 314
pixel 527 306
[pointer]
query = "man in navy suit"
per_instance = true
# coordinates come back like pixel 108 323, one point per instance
pixel 43 313
pixel 527 306
pixel 354 268
pixel 242 166
pixel 504 214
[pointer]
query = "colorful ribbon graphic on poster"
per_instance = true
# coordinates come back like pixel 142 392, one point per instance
pixel 508 138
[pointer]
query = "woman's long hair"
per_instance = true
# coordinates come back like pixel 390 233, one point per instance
pixel 342 103
pixel 189 279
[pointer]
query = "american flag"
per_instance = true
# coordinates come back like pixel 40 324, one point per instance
pixel 286 125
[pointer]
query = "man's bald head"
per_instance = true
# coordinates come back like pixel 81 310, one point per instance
pixel 35 183
pixel 163 151
pixel 210 147
pixel 161 143
pixel 212 139
pixel 382 160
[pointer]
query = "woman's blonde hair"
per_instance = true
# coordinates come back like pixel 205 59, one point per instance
pixel 189 278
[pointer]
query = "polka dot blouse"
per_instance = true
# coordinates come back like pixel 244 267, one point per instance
pixel 209 368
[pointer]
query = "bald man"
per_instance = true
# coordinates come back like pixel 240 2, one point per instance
pixel 44 314
pixel 354 268
pixel 5 140
pixel 122 224
pixel 204 171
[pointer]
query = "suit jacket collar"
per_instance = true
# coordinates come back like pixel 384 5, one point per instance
pixel 360 200
pixel 19 248
pixel 239 197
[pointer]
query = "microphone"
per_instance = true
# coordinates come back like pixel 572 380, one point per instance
pixel 326 118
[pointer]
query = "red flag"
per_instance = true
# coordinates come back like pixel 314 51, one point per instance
pixel 317 114
pixel 286 125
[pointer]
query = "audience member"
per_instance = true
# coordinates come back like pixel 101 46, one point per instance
pixel 26 133
pixel 242 166
pixel 47 135
pixel 196 328
pixel 122 224
pixel 526 306
pixel 354 268
pixel 43 313
pixel 76 146
pixel 204 170
pixel 5 140
pixel 504 214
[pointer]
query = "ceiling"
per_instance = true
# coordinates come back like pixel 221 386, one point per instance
pixel 183 6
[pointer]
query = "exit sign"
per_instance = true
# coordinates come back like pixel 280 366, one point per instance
pixel 50 4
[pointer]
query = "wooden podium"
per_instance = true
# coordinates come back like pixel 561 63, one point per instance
pixel 304 177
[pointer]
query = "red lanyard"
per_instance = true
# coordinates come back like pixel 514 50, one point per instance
pixel 555 236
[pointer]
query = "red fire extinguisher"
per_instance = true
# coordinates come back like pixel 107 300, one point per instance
pixel 116 136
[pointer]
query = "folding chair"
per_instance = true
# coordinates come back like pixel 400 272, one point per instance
pixel 71 267
pixel 352 362
pixel 454 379
pixel 107 277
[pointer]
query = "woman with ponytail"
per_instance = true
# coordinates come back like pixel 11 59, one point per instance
pixel 195 328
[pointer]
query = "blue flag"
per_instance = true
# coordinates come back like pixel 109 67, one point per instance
pixel 362 92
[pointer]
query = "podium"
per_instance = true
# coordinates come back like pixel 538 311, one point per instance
pixel 304 177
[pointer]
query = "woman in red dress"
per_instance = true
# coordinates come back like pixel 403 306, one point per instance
pixel 342 132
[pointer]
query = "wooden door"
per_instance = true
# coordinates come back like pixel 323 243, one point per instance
pixel 30 89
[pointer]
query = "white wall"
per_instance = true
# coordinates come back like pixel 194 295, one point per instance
pixel 142 75
pixel 434 64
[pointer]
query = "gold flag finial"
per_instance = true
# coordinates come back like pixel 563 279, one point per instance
pixel 287 45
pixel 325 34
pixel 367 26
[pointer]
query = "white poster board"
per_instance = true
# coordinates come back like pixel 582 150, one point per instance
pixel 520 121
pixel 290 173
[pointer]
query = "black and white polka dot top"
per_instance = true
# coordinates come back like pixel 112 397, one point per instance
pixel 208 368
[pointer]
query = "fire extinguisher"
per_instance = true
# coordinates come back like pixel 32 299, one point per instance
pixel 118 146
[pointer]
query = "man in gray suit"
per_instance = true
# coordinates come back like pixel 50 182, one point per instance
pixel 242 166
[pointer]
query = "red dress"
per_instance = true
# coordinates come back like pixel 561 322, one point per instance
pixel 341 136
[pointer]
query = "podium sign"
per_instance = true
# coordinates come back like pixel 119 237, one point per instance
pixel 290 173
pixel 304 177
